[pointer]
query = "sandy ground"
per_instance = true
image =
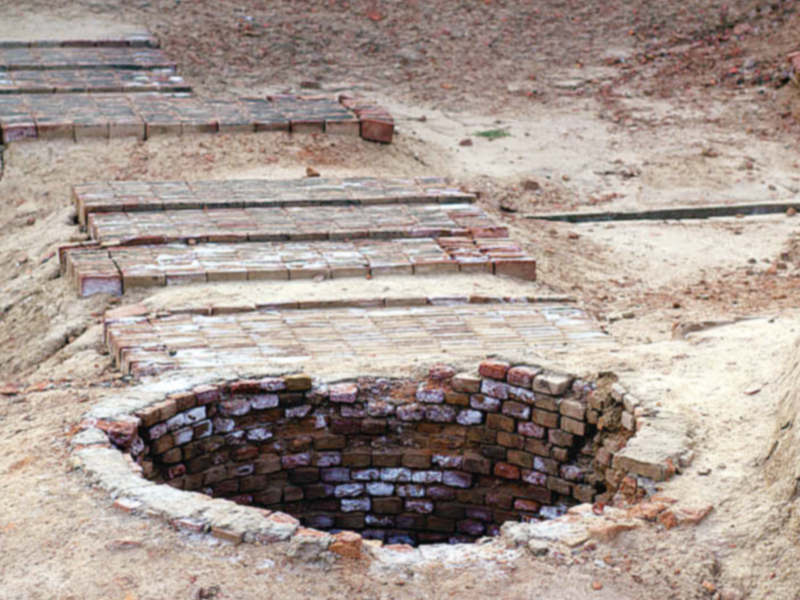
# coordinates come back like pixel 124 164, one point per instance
pixel 570 147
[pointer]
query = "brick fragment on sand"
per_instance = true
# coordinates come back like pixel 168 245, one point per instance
pixel 347 544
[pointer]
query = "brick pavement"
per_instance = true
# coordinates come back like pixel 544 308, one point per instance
pixel 119 269
pixel 148 345
pixel 97 81
pixel 297 223
pixel 49 58
pixel 80 116
pixel 137 39
pixel 130 196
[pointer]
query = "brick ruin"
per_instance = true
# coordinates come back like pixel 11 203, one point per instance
pixel 447 459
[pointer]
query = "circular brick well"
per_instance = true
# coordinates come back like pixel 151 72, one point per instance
pixel 447 459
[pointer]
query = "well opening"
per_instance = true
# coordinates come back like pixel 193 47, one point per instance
pixel 447 459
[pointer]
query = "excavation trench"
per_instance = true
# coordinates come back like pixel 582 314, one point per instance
pixel 447 459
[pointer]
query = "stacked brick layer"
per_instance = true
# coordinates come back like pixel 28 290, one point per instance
pixel 130 196
pixel 119 269
pixel 49 58
pixel 293 223
pixel 150 345
pixel 78 116
pixel 448 459
pixel 91 80
pixel 141 39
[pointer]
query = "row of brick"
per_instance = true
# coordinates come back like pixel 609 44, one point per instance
pixel 136 39
pixel 147 345
pixel 119 269
pixel 131 196
pixel 72 58
pixel 295 223
pixel 91 80
pixel 81 116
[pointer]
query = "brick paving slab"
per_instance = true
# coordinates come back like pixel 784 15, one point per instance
pixel 36 58
pixel 119 269
pixel 78 116
pixel 131 196
pixel 91 80
pixel 296 223
pixel 141 39
pixel 148 345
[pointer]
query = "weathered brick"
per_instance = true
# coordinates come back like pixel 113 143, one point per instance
pixel 416 505
pixel 559 486
pixel 379 488
pixel 545 465
pixel 485 403
pixel 495 389
pixel 554 384
pixel 355 505
pixel 526 505
pixel 506 471
pixel 494 369
pixel 469 417
pixel 335 475
pixel 457 479
pixel 534 477
pixel 417 459
pixel 520 458
pixel 573 409
pixel 516 410
pixel 387 506
pixel 560 438
pixel 572 426
pixel 468 384
pixel 343 393
pixel 545 419
pixel 474 463
pixel 522 376
pixel 529 429
pixel 299 382
pixel 440 414
pixel 500 423
pixel 430 395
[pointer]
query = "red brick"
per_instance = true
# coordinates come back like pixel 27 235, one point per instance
pixel 522 376
pixel 494 369
pixel 506 471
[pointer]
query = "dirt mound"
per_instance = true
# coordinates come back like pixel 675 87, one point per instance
pixel 783 461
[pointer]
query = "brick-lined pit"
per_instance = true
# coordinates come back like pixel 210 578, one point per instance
pixel 448 459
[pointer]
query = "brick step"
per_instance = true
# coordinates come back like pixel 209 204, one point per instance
pixel 133 196
pixel 120 269
pixel 61 57
pixel 91 80
pixel 79 116
pixel 148 345
pixel 294 223
pixel 135 39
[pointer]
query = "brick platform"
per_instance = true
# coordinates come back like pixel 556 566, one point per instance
pixel 79 116
pixel 150 345
pixel 131 196
pixel 91 80
pixel 28 59
pixel 297 223
pixel 119 269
